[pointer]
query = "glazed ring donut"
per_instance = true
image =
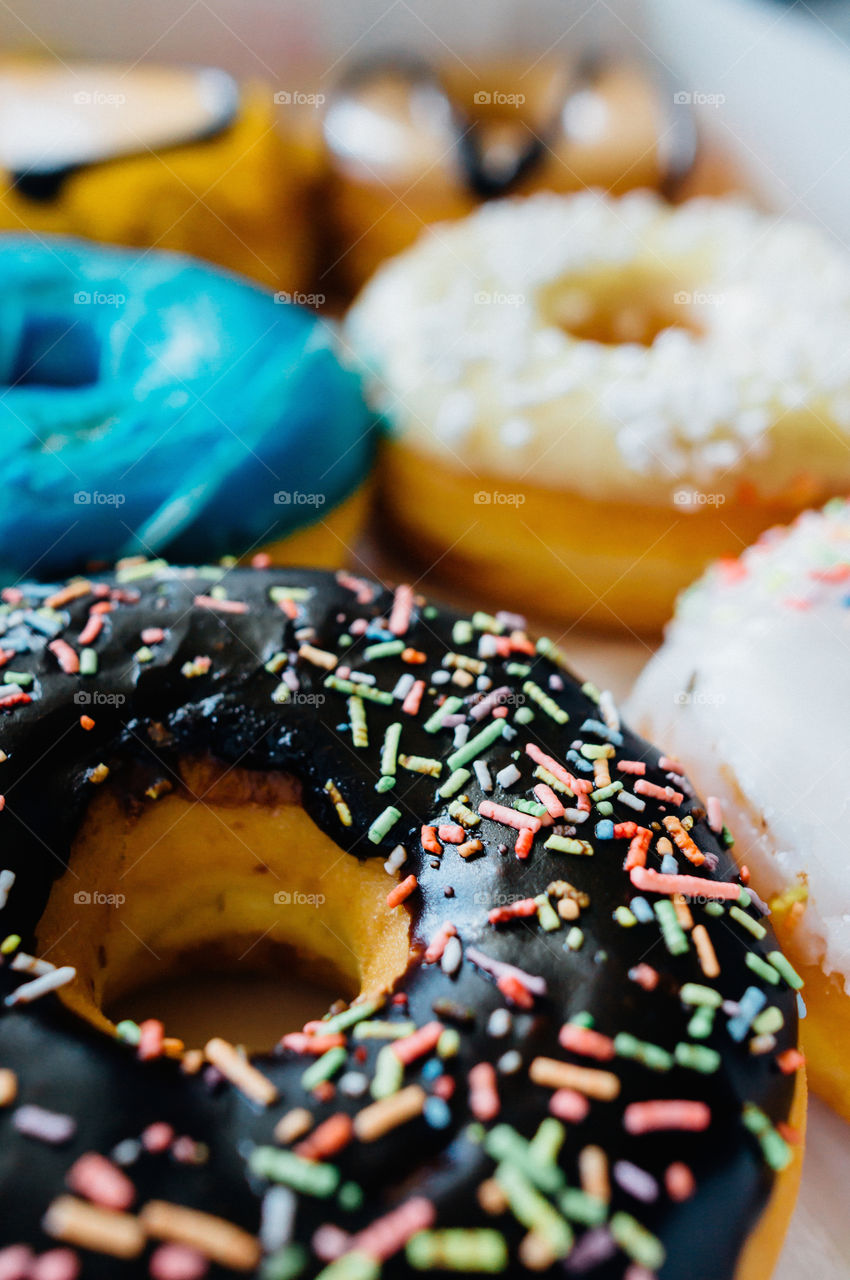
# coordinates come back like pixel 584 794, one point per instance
pixel 156 156
pixel 152 404
pixel 409 144
pixel 567 1036
pixel 592 398
pixel 719 691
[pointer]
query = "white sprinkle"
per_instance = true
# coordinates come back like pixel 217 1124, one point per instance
pixel 508 776
pixel 509 1063
pixel 403 686
pixel 461 734
pixel 277 1218
pixel 515 432
pixel 396 859
pixel 452 956
pixel 7 879
pixel 440 677
pixel 499 1023
pixel 633 802
pixel 482 773
pixel 41 986
pixel 26 963
pixel 608 709
pixel 353 1084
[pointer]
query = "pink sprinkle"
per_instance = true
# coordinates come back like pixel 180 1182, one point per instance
pixel 401 610
pixel 679 1181
pixel 500 969
pixel 330 1242
pixel 549 800
pixel 46 1126
pixel 508 817
pixel 65 656
pixel 99 1180
pixel 15 1262
pixel 412 702
pixel 583 1040
pixel 670 765
pixel 490 700
pixel 315 1044
pixel 451 834
pixel 714 810
pixel 262 560
pixel 483 1093
pixel 157 1137
pixel 649 881
pixel 362 589
pixel 177 1262
pixel 385 1237
pixel 438 943
pixel 419 1043
pixel 635 1272
pixel 15 700
pixel 647 1117
pixel 635 1181
pixel 667 794
pixel 91 630
pixel 12 595
pixel 522 909
pixel 220 606
pixel 636 767
pixel 568 1104
pixel 150 1044
pixel 56 1264
pixel 153 635
pixel 578 786
pixel 645 976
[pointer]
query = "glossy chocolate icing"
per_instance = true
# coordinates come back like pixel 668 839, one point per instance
pixel 64 1065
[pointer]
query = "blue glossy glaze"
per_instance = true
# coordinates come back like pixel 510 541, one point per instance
pixel 151 403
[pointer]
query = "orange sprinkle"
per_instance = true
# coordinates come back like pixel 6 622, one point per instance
pixel 66 594
pixel 705 952
pixel 789 1061
pixel 512 989
pixel 419 1043
pixel 430 843
pixel 396 896
pixel 524 841
pixel 638 848
pixel 298 1042
pixel 86 722
pixel 413 656
pixel 330 1137
pixel 450 833
pixel 66 657
pixel 683 841
pixel 591 1044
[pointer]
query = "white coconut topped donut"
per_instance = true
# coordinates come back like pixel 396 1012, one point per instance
pixel 752 686
pixel 619 348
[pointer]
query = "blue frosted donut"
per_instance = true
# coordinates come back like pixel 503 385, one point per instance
pixel 151 404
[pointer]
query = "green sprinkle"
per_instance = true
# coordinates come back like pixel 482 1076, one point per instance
pixel 575 939
pixel 588 1210
pixel 533 1210
pixel 544 702
pixel 624 917
pixel 351 1266
pixel 641 1245
pixel 462 632
pixel 744 898
pixel 289 593
pixel 389 1073
pixel 448 1045
pixel 604 808
pixel 421 764
pixel 143 654
pixel 506 1146
pixel 702 1023
pixel 546 1144
pixel 605 793
pixel 323 1068
pixel 10 943
pixel 697 1057
pixel 594 751
pixel 89 662
pixel 675 938
pixel 22 678
pixel 389 751
pixel 486 622
pixel 350 1197
pixel 566 844
pixel 385 783
pixel 351 1016
pixel 775 1149
pixel 383 824
pixel 466 1249
pixel 530 806
pixel 695 993
pixel 651 1055
pixel 286 1264
pixel 752 926
pixel 282 693
pixel 276 663
pixel 461 813
pixel 383 1030
pixel 453 783
pixel 762 968
pixel 476 745
pixel 590 690
pixel 769 1021
pixel 546 914
pixel 386 649
pixel 520 669
pixel 128 1031
pixel 360 689
pixel 448 708
pixel 583 1019
pixel 134 572
pixel 714 908
pixel 523 715
pixel 786 970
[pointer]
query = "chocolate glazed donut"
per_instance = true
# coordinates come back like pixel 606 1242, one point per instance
pixel 572 1067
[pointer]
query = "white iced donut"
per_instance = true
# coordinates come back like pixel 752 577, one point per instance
pixel 752 687
pixel 590 398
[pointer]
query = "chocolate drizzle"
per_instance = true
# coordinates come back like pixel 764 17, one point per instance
pixel 229 712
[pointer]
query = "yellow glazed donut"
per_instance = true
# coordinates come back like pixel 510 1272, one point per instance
pixel 408 144
pixel 752 683
pixel 591 398
pixel 155 156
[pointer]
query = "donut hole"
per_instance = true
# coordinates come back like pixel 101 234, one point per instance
pixel 54 351
pixel 614 307
pixel 223 882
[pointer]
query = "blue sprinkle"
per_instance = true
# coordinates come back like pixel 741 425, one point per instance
pixel 751 1004
pixel 605 829
pixel 641 910
pixel 669 865
pixel 801 1004
pixel 602 731
pixel 582 765
pixel 437 1114
pixel 432 1069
